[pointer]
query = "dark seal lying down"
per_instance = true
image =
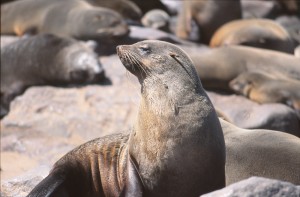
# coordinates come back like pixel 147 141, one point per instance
pixel 46 60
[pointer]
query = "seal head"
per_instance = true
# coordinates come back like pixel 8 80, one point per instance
pixel 102 23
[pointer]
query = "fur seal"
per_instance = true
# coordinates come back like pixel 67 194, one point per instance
pixel 126 8
pixel 67 18
pixel 209 16
pixel 176 147
pixel 46 60
pixel 263 153
pixel 218 66
pixel 263 88
pixel 261 33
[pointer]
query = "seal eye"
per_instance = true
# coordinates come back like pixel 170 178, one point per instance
pixel 144 49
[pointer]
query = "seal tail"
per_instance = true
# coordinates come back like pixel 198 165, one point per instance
pixel 51 186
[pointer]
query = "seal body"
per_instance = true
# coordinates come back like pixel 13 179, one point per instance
pixel 176 147
pixel 261 33
pixel 217 67
pixel 263 88
pixel 46 60
pixel 209 15
pixel 263 153
pixel 127 9
pixel 68 18
pixel 96 168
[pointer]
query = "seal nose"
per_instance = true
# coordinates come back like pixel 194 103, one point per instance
pixel 99 77
pixel 120 48
pixel 79 76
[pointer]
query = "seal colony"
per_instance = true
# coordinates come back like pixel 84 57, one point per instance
pixel 176 147
pixel 68 18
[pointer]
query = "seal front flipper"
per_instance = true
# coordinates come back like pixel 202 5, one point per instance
pixel 134 184
pixel 51 186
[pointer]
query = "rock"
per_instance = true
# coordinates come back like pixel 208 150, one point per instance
pixel 297 51
pixel 248 114
pixel 5 40
pixel 292 25
pixel 22 185
pixel 260 9
pixel 257 187
pixel 156 19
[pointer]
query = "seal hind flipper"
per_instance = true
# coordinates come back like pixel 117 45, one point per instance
pixel 134 184
pixel 51 186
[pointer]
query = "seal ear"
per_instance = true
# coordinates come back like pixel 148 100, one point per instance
pixel 174 55
pixel 177 59
pixel 133 185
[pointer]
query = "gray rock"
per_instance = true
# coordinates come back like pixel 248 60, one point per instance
pixel 22 185
pixel 292 25
pixel 248 114
pixel 258 187
pixel 260 9
pixel 6 40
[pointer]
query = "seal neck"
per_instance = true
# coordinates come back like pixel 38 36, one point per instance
pixel 168 126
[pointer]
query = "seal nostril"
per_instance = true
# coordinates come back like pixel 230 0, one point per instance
pixel 99 77
pixel 79 76
pixel 119 50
